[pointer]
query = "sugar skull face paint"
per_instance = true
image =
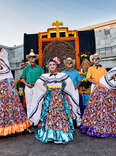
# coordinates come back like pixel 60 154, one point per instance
pixel 69 63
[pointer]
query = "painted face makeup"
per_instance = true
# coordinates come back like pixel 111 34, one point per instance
pixel 96 60
pixel 52 66
pixel 69 64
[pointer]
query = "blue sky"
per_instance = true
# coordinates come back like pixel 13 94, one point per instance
pixel 32 16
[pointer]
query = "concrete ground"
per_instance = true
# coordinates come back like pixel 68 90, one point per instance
pixel 27 145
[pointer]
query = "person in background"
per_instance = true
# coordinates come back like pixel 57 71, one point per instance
pixel 73 74
pixel 56 105
pixel 99 119
pixel 13 118
pixel 96 71
pixel 20 85
pixel 29 76
pixel 84 88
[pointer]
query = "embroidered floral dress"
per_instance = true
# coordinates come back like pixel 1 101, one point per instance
pixel 99 117
pixel 12 115
pixel 55 106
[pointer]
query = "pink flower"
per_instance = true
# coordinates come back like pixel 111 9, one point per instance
pixel 57 60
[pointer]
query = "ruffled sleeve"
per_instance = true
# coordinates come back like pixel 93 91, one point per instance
pixel 39 92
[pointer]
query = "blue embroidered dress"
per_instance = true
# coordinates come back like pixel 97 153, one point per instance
pixel 55 106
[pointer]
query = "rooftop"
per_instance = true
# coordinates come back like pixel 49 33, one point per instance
pixel 99 26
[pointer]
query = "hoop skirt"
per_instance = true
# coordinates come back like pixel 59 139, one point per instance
pixel 12 115
pixel 99 117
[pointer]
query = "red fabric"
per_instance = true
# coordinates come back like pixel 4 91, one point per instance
pixel 33 64
pixel 69 69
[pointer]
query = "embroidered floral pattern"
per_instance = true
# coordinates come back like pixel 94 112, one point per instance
pixel 99 118
pixel 56 117
pixel 11 110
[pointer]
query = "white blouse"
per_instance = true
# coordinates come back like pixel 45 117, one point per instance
pixel 107 79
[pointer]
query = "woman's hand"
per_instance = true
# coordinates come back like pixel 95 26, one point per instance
pixel 29 85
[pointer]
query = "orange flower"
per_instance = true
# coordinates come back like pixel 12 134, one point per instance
pixel 98 118
pixel 52 112
pixel 64 128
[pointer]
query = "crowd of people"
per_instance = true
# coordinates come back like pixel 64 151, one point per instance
pixel 55 101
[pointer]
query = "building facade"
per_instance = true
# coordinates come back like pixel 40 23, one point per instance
pixel 105 36
pixel 15 56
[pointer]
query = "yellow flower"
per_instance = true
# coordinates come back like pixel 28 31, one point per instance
pixel 27 62
pixel 21 93
pixel 83 55
pixel 83 80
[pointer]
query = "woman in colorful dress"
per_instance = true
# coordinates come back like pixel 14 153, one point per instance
pixel 99 117
pixel 12 115
pixel 56 105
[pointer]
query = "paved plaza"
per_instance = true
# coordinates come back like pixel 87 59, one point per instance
pixel 27 145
